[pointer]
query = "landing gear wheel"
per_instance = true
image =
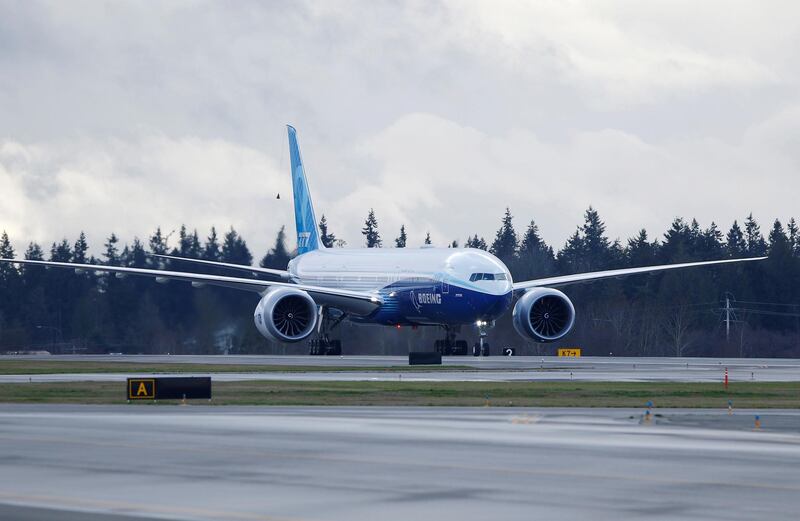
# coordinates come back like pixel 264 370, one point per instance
pixel 476 349
pixel 335 348
pixel 323 345
pixel 486 351
pixel 449 346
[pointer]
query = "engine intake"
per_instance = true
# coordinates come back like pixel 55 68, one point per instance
pixel 544 315
pixel 286 315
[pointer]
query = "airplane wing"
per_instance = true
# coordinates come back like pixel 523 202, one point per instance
pixel 356 302
pixel 597 275
pixel 281 274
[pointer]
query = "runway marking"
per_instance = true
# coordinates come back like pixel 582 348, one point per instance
pixel 135 508
pixel 255 453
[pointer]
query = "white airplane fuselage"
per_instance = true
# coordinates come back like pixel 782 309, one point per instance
pixel 417 286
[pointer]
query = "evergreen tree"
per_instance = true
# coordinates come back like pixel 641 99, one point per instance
pixel 571 257
pixel 327 239
pixel 505 242
pixel 400 241
pixel 640 251
pixel 735 243
pixel 595 243
pixel 588 249
pixel 616 254
pixel 428 238
pixel 278 257
pixel 678 245
pixel 536 259
pixel 370 231
pixel 212 251
pixel 137 258
pixel 80 249
pixel 454 244
pixel 709 244
pixel 188 245
pixel 112 253
pixel 195 250
pixel 61 252
pixel 477 243
pixel 532 243
pixel 756 245
pixel 34 252
pixel 234 249
pixel 794 237
pixel 32 275
pixel 9 283
pixel 158 243
pixel 9 276
pixel 778 242
pixel 6 250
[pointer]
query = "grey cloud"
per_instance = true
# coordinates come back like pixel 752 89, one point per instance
pixel 438 114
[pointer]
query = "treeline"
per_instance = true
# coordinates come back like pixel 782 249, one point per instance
pixel 678 313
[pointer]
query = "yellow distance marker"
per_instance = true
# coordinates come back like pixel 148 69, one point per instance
pixel 570 351
pixel 141 389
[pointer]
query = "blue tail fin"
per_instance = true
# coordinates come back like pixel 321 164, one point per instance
pixel 305 220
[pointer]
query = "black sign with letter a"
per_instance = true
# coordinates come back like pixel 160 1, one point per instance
pixel 170 388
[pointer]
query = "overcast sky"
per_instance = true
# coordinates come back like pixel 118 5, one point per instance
pixel 121 116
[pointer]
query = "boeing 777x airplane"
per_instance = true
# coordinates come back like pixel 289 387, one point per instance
pixel 446 287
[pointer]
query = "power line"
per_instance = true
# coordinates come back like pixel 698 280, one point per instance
pixel 767 303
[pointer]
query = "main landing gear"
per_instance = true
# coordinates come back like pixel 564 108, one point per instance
pixel 449 346
pixel 323 344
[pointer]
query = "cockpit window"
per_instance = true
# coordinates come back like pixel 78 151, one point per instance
pixel 487 276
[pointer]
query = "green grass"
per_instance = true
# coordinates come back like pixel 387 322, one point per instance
pixel 529 394
pixel 11 367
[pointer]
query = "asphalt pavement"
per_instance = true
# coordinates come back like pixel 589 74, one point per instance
pixel 473 369
pixel 251 463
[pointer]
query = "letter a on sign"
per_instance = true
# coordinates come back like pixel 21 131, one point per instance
pixel 141 389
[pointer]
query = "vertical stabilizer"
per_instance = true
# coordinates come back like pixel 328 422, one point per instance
pixel 305 220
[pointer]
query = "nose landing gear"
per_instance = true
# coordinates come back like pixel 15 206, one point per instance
pixel 481 347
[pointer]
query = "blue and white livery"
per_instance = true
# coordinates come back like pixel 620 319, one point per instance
pixel 446 287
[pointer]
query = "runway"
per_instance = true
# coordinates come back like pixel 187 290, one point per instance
pixel 202 463
pixel 608 369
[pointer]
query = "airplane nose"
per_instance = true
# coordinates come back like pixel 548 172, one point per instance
pixel 497 305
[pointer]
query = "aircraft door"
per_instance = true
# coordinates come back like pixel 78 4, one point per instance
pixel 444 286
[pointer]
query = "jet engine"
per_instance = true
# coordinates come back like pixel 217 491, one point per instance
pixel 286 315
pixel 544 315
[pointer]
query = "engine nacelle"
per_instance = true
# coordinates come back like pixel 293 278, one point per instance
pixel 286 315
pixel 544 315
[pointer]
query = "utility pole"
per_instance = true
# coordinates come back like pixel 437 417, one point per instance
pixel 730 315
pixel 727 318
